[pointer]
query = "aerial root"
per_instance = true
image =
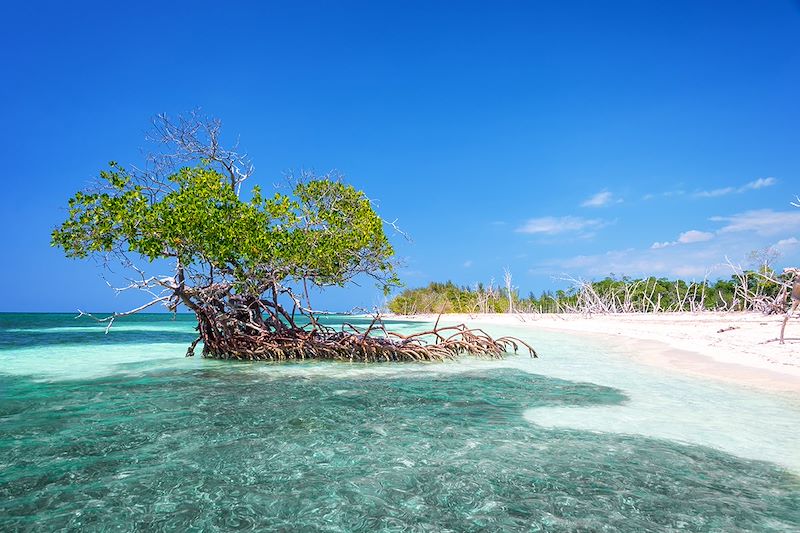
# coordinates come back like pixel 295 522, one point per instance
pixel 229 340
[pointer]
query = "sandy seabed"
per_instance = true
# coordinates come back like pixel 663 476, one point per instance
pixel 737 347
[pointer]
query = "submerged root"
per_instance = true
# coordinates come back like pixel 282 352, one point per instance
pixel 374 344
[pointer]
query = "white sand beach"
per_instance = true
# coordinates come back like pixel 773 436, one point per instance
pixel 737 347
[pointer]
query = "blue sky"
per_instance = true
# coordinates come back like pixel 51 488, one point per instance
pixel 580 138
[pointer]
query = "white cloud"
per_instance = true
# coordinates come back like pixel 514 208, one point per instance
pixel 601 199
pixel 786 244
pixel 760 183
pixel 694 235
pixel 665 194
pixel 558 225
pixel 693 254
pixel 468 263
pixel 715 192
pixel 687 237
pixel 671 262
pixel 761 221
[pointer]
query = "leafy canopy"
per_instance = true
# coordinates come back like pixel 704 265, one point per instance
pixel 325 231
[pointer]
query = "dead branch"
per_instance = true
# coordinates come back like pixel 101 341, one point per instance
pixel 110 318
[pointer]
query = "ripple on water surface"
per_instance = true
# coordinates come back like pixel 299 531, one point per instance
pixel 234 446
pixel 120 431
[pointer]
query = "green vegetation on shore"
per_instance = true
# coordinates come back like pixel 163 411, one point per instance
pixel 750 290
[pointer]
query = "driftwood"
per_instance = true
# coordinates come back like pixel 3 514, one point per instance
pixel 795 297
pixel 226 338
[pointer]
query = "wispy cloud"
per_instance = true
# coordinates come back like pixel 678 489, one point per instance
pixel 761 222
pixel 637 262
pixel 665 194
pixel 694 235
pixel 559 225
pixel 468 263
pixel 601 199
pixel 694 253
pixel 715 192
pixel 687 237
pixel 784 245
pixel 760 183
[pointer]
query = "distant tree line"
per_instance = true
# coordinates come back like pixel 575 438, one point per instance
pixel 761 289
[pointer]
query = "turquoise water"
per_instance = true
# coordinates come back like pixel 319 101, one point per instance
pixel 121 432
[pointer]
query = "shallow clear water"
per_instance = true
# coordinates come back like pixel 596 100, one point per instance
pixel 120 431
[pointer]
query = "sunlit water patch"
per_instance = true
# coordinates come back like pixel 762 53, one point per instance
pixel 154 440
pixel 663 404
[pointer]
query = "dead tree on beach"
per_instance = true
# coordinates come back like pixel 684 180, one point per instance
pixel 245 265
pixel 795 290
pixel 509 289
pixel 794 296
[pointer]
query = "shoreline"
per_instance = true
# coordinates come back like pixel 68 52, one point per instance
pixel 731 347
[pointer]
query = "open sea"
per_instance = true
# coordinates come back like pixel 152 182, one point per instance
pixel 121 432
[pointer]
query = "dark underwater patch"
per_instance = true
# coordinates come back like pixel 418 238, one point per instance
pixel 227 447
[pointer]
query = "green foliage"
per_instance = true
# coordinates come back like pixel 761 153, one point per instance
pixel 325 231
pixel 435 298
pixel 450 298
pixel 623 295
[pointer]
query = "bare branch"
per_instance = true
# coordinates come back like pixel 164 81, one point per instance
pixel 196 139
pixel 110 319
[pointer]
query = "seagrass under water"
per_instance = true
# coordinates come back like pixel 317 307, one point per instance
pixel 150 442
